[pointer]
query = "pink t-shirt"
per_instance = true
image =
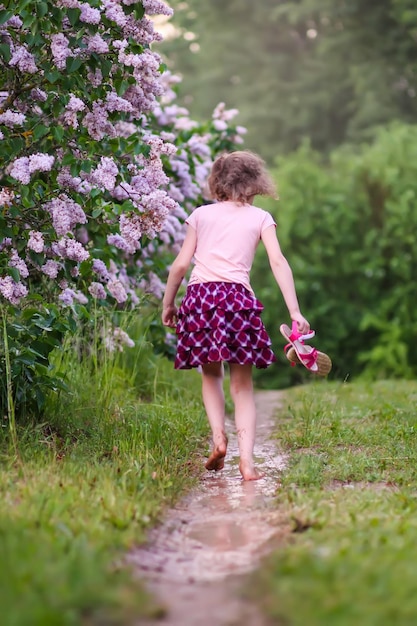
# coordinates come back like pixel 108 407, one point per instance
pixel 227 237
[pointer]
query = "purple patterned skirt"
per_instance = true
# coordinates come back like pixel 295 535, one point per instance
pixel 220 321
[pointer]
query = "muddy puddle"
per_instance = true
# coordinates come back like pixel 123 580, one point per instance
pixel 194 563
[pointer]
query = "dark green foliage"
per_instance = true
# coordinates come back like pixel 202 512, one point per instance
pixel 328 70
pixel 348 229
pixel 31 335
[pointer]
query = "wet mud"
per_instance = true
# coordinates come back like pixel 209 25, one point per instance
pixel 195 562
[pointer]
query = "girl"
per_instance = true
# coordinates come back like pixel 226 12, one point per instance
pixel 219 319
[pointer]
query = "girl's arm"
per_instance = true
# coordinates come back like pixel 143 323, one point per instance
pixel 175 277
pixel 283 275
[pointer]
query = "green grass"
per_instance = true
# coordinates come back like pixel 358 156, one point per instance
pixel 350 495
pixel 87 483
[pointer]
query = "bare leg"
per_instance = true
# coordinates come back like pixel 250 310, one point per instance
pixel 241 389
pixel 213 398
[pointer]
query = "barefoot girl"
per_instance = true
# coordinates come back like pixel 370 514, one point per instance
pixel 219 319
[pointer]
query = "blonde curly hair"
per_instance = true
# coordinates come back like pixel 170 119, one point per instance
pixel 240 176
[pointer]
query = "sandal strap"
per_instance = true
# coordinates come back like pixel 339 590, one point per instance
pixel 309 359
pixel 295 335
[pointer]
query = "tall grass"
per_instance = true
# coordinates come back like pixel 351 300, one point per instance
pixel 9 390
pixel 101 467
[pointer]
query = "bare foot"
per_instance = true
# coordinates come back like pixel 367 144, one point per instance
pixel 249 471
pixel 216 458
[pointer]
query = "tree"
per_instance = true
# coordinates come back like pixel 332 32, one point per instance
pixel 331 71
pixel 346 224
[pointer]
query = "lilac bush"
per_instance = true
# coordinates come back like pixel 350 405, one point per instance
pixel 98 165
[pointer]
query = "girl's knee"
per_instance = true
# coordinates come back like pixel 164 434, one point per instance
pixel 240 380
pixel 214 370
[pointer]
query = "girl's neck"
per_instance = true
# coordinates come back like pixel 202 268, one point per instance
pixel 248 201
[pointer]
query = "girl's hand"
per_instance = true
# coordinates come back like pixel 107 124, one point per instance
pixel 302 324
pixel 169 316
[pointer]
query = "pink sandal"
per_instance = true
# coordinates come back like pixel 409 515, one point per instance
pixel 297 352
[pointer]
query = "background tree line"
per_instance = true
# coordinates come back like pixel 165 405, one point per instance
pixel 327 90
pixel 330 70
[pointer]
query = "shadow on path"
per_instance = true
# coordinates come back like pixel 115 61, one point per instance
pixel 193 563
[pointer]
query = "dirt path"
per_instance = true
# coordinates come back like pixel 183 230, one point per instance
pixel 194 562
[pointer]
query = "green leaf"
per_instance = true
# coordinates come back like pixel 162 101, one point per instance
pixel 73 16
pixel 58 132
pixel 106 66
pixel 73 64
pixel 5 52
pixel 14 273
pixel 137 9
pixel 5 15
pixel 41 9
pixel 53 76
pixel 40 131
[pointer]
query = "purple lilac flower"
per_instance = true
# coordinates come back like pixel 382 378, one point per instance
pixel 11 290
pixel 38 95
pixel 50 269
pixel 35 241
pixel 23 60
pixel 221 113
pixel 105 174
pixel 175 193
pixel 125 129
pixel 6 196
pixel 131 230
pixel 65 179
pixel 69 4
pixel 73 107
pixel 60 50
pixel 114 12
pixel 95 78
pixel 12 118
pixel 142 31
pixel 6 243
pixel 97 122
pixel 20 170
pixel 116 103
pixel 75 104
pixel 158 146
pixel 81 298
pixel 89 15
pixel 96 44
pixel 184 123
pixel 117 290
pixel 19 264
pixel 153 285
pixel 119 242
pixel 68 295
pixel 153 7
pixel 169 114
pixel 40 162
pixel 65 214
pixel 97 291
pixel 199 145
pixel 117 339
pixel 14 22
pixel 219 125
pixel 70 249
pixel 100 269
